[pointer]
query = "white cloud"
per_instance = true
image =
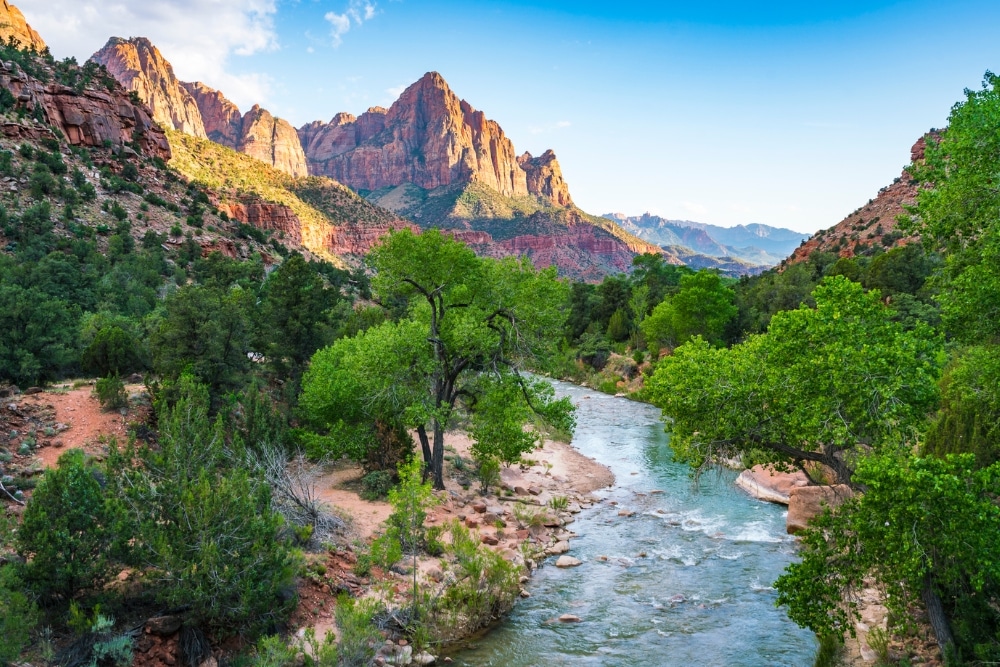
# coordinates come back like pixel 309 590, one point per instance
pixel 396 91
pixel 356 13
pixel 563 123
pixel 197 37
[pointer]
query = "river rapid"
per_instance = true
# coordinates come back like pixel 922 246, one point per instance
pixel 684 581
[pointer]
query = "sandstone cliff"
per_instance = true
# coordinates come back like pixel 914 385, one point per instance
pixel 12 24
pixel 429 138
pixel 545 179
pixel 89 117
pixel 200 111
pixel 221 118
pixel 139 66
pixel 873 223
pixel 272 140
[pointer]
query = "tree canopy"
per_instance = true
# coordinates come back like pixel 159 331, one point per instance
pixel 818 385
pixel 471 326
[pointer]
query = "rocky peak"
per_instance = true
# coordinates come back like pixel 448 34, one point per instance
pixel 222 119
pixel 429 138
pixel 197 109
pixel 13 24
pixel 272 140
pixel 139 66
pixel 544 177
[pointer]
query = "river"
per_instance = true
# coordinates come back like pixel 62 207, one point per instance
pixel 701 593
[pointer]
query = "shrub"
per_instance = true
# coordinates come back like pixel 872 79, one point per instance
pixel 376 485
pixel 66 530
pixel 18 618
pixel 111 393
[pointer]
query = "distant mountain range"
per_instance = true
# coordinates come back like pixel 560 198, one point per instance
pixel 753 244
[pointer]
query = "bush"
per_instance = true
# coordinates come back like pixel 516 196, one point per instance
pixel 111 393
pixel 376 485
pixel 66 530
pixel 18 618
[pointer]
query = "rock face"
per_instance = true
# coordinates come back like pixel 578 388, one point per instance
pixel 808 502
pixel 139 66
pixel 196 109
pixel 13 24
pixel 430 138
pixel 873 223
pixel 221 118
pixel 272 140
pixel 87 118
pixel 544 177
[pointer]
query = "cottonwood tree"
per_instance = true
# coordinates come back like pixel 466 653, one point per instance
pixel 466 318
pixel 821 385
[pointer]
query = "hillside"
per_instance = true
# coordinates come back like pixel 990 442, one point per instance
pixel 873 225
pixel 323 216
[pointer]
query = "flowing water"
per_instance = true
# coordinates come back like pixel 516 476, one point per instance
pixel 702 593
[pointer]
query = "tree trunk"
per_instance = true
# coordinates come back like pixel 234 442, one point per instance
pixel 425 447
pixel 438 460
pixel 939 621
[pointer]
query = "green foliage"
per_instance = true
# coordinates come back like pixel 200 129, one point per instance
pixel 111 393
pixel 819 383
pixel 205 524
pixel 20 615
pixel 294 316
pixel 376 485
pixel 205 331
pixel 703 306
pixel 111 346
pixel 405 533
pixel 969 418
pixel 488 473
pixel 358 635
pixel 67 530
pixel 922 524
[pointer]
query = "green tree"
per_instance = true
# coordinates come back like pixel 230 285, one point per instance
pixel 294 316
pixel 925 529
pixel 67 531
pixel 703 306
pixel 468 317
pixel 969 418
pixel 819 385
pixel 202 524
pixel 205 331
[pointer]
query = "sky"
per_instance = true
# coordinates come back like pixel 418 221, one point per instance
pixel 791 114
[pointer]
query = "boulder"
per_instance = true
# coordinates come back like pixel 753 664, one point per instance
pixel 807 502
pixel 769 485
pixel 568 561
pixel 569 618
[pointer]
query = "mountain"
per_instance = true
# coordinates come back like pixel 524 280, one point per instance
pixel 753 244
pixel 139 66
pixel 13 24
pixel 429 138
pixel 873 224
pixel 430 158
pixel 197 110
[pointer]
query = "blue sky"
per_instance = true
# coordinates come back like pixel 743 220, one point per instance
pixel 790 114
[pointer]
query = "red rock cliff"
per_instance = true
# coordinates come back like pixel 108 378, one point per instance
pixel 222 119
pixel 196 109
pixel 13 24
pixel 272 140
pixel 87 118
pixel 430 138
pixel 545 178
pixel 139 66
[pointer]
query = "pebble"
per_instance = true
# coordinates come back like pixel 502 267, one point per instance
pixel 569 618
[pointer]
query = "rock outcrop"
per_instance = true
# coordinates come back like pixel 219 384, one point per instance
pixel 89 117
pixel 544 177
pixel 222 119
pixel 139 66
pixel 272 140
pixel 429 138
pixel 13 24
pixel 196 109
pixel 807 502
